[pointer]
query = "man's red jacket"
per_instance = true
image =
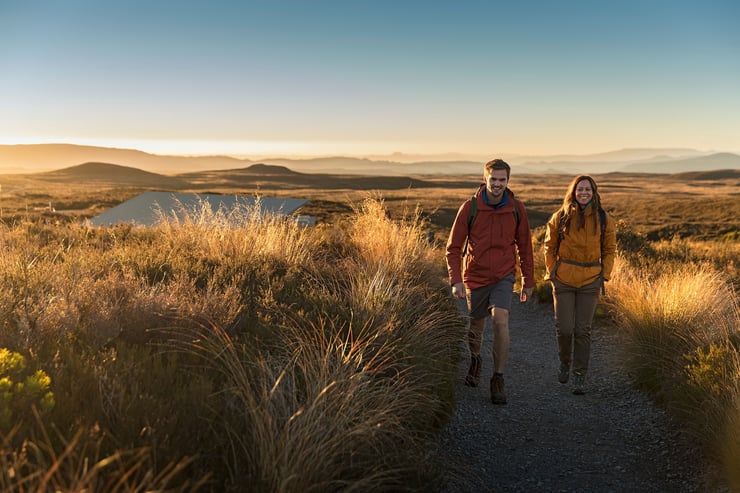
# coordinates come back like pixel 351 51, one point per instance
pixel 495 240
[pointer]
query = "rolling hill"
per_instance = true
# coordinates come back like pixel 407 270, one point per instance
pixel 718 161
pixel 254 176
pixel 111 174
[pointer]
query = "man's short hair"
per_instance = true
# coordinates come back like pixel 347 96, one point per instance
pixel 497 164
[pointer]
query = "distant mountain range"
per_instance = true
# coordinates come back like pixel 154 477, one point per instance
pixel 33 158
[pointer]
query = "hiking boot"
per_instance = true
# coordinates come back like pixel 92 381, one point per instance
pixel 498 396
pixel 564 373
pixel 473 376
pixel 579 379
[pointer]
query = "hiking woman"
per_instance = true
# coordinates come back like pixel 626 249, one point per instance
pixel 580 246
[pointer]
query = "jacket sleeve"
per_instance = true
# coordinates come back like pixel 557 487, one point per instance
pixel 456 242
pixel 551 245
pixel 523 239
pixel 609 248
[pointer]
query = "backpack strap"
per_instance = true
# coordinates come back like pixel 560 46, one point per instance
pixel 471 219
pixel 516 212
pixel 473 211
pixel 562 223
pixel 602 224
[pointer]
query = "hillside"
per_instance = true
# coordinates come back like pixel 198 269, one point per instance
pixel 281 177
pixel 30 158
pixel 714 175
pixel 100 173
pixel 718 161
pixel 267 169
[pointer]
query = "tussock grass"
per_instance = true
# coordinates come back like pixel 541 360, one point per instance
pixel 682 328
pixel 47 463
pixel 235 347
pixel 690 301
pixel 394 243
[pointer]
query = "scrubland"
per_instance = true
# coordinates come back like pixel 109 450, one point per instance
pixel 203 356
pixel 230 349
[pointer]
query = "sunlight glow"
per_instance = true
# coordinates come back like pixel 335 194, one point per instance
pixel 243 148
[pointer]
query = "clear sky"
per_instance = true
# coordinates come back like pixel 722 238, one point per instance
pixel 300 77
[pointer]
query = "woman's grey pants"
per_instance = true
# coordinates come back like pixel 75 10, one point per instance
pixel 574 313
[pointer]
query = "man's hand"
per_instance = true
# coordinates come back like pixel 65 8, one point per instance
pixel 525 295
pixel 458 290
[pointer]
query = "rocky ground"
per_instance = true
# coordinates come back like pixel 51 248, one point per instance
pixel 612 439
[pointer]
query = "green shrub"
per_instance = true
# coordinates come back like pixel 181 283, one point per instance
pixel 21 390
pixel 710 370
pixel 635 245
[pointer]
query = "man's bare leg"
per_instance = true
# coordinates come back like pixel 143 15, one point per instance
pixel 500 339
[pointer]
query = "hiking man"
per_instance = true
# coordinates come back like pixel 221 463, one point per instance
pixel 490 229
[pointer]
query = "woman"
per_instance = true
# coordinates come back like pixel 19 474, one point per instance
pixel 580 245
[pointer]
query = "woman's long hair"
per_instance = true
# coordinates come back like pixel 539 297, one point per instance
pixel 571 208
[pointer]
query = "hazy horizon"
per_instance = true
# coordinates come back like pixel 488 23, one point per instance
pixel 330 78
pixel 400 157
pixel 175 150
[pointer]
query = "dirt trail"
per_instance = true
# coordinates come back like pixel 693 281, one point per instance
pixel 612 439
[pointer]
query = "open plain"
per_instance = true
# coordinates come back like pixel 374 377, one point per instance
pixel 699 205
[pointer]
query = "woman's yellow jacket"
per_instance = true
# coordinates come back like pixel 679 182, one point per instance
pixel 575 261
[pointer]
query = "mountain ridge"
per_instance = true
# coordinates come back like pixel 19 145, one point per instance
pixel 29 158
pixel 716 161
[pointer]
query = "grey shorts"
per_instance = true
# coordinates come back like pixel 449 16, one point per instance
pixel 482 300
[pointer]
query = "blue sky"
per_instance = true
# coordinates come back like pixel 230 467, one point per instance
pixel 349 77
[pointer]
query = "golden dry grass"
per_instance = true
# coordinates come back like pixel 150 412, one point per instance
pixel 288 358
pixel 681 324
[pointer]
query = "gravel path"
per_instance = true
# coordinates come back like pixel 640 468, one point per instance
pixel 613 439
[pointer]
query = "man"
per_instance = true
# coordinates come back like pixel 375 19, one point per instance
pixel 489 247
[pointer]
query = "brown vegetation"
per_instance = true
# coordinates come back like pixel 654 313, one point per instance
pixel 688 205
pixel 217 353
